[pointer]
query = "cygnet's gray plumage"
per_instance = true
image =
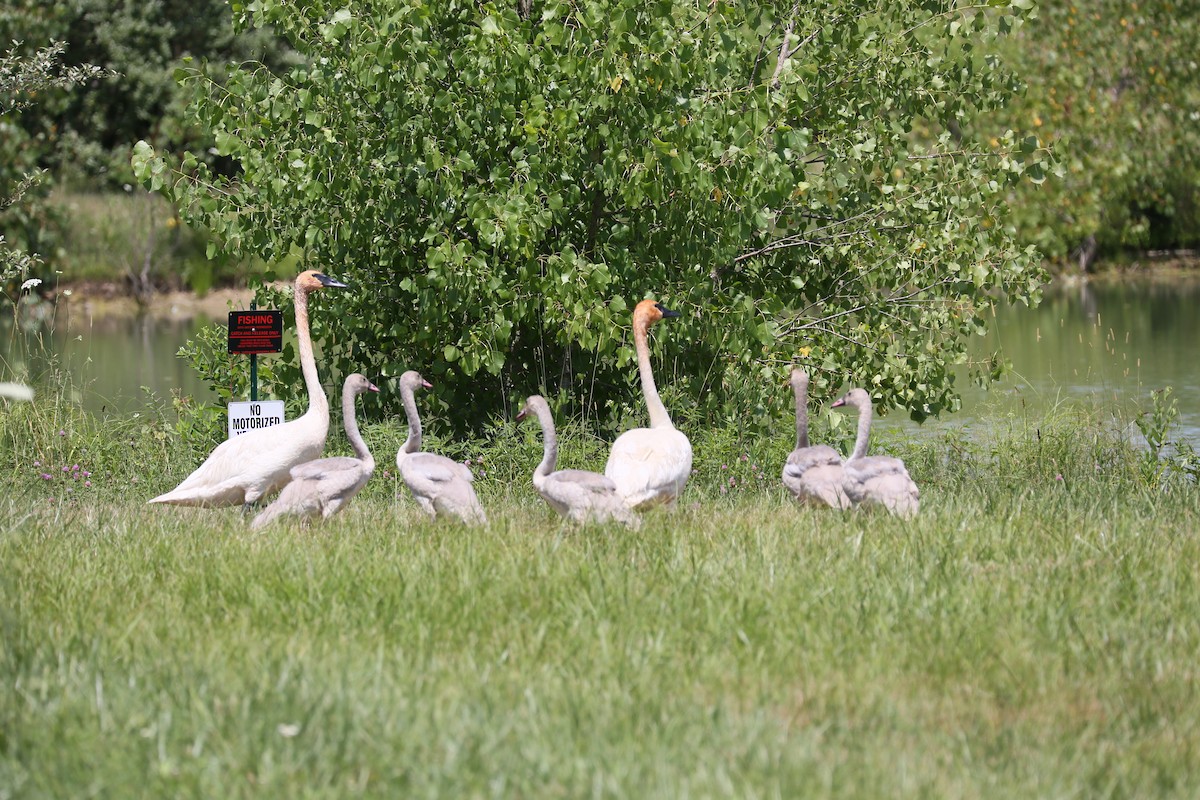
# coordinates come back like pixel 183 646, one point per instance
pixel 813 474
pixel 324 485
pixel 881 480
pixel 441 486
pixel 576 494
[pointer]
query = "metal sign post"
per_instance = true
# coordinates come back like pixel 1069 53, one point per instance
pixel 253 365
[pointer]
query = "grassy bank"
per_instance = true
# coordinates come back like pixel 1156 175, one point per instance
pixel 1033 632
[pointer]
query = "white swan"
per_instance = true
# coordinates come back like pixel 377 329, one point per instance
pixel 579 495
pixel 649 465
pixel 243 469
pixel 881 480
pixel 325 485
pixel 439 484
pixel 813 474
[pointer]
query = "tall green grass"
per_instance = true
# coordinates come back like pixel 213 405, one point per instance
pixel 1026 635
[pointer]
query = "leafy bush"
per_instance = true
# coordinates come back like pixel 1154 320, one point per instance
pixel 501 188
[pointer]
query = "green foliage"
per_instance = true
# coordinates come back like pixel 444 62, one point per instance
pixel 1116 86
pixel 1155 425
pixel 502 190
pixel 23 214
pixel 88 134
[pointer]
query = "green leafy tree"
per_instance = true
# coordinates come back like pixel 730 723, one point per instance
pixel 1117 84
pixel 88 133
pixel 501 182
pixel 22 79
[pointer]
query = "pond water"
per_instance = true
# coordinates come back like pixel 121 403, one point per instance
pixel 1105 343
pixel 108 364
pixel 1109 343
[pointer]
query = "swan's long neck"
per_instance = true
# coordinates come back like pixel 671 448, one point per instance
pixel 317 402
pixel 549 445
pixel 413 443
pixel 659 418
pixel 801 388
pixel 350 421
pixel 864 429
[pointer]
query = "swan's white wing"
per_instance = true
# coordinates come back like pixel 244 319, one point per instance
pixel 883 480
pixel 649 465
pixel 802 459
pixel 438 469
pixel 325 466
pixel 869 467
pixel 442 486
pixel 577 490
pixel 298 498
pixel 822 483
pixel 584 497
pixel 256 462
pixel 336 483
pixel 590 482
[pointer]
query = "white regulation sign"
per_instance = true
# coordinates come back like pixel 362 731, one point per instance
pixel 253 415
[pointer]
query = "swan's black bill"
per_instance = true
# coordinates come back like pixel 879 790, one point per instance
pixel 666 312
pixel 329 282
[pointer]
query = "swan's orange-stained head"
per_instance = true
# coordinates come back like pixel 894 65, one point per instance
pixel 312 280
pixel 648 312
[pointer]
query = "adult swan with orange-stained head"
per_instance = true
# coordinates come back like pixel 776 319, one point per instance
pixel 649 465
pixel 255 464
